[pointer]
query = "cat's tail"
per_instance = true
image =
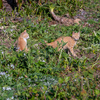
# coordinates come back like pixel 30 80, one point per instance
pixel 48 44
pixel 15 46
pixel 45 41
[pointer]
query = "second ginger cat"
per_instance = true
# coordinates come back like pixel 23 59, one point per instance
pixel 70 42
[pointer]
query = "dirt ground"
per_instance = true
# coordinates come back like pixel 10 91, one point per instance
pixel 6 6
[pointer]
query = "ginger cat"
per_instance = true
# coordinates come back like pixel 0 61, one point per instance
pixel 22 41
pixel 70 42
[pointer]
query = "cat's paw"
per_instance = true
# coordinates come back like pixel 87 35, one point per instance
pixel 75 55
pixel 45 41
pixel 27 50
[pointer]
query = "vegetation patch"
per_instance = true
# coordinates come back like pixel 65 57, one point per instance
pixel 43 72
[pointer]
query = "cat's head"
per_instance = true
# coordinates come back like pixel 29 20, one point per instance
pixel 24 34
pixel 76 36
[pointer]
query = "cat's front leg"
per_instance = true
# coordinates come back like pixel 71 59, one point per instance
pixel 26 49
pixel 72 51
pixel 69 53
pixel 59 48
pixel 74 55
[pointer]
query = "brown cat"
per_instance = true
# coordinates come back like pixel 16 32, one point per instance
pixel 70 42
pixel 22 41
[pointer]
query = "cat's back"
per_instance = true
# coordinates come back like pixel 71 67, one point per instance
pixel 64 39
pixel 21 43
pixel 68 39
pixel 20 40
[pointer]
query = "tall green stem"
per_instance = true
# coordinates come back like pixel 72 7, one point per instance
pixel 1 4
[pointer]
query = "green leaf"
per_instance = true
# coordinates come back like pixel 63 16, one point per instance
pixel 91 71
pixel 61 80
pixel 45 87
pixel 19 93
pixel 85 73
pixel 66 79
pixel 97 91
pixel 91 76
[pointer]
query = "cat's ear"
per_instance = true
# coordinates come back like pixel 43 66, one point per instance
pixel 24 30
pixel 73 33
pixel 79 33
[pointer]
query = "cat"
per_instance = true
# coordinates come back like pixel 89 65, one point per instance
pixel 64 20
pixel 22 41
pixel 70 42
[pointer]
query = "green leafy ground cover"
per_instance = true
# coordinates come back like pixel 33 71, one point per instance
pixel 44 73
